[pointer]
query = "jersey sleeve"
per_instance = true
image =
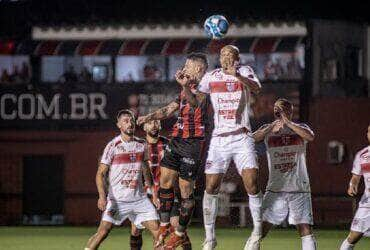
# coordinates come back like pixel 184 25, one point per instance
pixel 203 86
pixel 247 72
pixel 356 167
pixel 107 157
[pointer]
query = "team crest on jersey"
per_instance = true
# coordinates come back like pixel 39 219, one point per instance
pixel 133 157
pixel 230 86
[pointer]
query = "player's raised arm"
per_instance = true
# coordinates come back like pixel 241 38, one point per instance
pixel 160 114
pixel 260 134
pixel 247 77
pixel 100 184
pixel 301 129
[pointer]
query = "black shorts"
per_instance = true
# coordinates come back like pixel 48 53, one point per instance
pixel 184 156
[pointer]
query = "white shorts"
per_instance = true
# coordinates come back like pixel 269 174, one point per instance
pixel 277 206
pixel 137 212
pixel 361 221
pixel 239 148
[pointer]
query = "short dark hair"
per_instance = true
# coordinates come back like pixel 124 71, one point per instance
pixel 198 56
pixel 125 112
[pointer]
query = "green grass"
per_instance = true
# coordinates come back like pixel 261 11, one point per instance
pixel 58 238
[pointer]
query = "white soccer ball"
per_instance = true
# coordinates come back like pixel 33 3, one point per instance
pixel 216 26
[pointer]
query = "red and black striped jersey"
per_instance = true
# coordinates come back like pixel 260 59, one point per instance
pixel 190 121
pixel 155 154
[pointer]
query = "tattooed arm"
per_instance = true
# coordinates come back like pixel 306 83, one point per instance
pixel 160 114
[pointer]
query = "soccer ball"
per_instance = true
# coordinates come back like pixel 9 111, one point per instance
pixel 216 26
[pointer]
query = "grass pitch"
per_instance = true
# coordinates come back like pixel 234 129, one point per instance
pixel 68 238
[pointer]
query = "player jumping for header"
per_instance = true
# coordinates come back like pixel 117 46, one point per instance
pixel 230 88
pixel 361 222
pixel 182 157
pixel 124 161
pixel 288 190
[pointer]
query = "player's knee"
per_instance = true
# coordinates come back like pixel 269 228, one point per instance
pixel 212 188
pixel 251 188
pixel 304 230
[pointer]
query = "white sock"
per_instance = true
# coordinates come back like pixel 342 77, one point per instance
pixel 255 206
pixel 308 242
pixel 210 207
pixel 346 245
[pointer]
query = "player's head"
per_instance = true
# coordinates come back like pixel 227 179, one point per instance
pixel 152 128
pixel 229 55
pixel 126 122
pixel 196 65
pixel 368 133
pixel 283 105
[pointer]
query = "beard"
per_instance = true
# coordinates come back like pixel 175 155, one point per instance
pixel 129 132
pixel 153 133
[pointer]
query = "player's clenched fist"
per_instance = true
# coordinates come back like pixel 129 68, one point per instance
pixel 102 203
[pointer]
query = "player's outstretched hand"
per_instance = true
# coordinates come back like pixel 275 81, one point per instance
pixel 102 203
pixel 352 190
pixel 142 119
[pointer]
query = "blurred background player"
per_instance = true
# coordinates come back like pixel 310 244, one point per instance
pixel 230 88
pixel 288 191
pixel 156 145
pixel 182 157
pixel 124 158
pixel 361 222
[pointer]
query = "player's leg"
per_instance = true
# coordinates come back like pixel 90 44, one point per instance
pixel 144 215
pixel 274 212
pixel 245 159
pixel 307 237
pixel 351 240
pixel 218 161
pixel 360 226
pixel 174 221
pixel 169 172
pixel 210 208
pixel 136 239
pixel 300 214
pixel 102 233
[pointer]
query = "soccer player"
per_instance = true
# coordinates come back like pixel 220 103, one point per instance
pixel 182 157
pixel 361 222
pixel 288 190
pixel 230 88
pixel 156 146
pixel 125 162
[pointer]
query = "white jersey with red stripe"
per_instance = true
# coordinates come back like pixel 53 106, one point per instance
pixel 286 156
pixel 230 99
pixel 125 159
pixel 361 166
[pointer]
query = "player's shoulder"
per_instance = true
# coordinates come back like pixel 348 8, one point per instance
pixel 363 152
pixel 115 141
